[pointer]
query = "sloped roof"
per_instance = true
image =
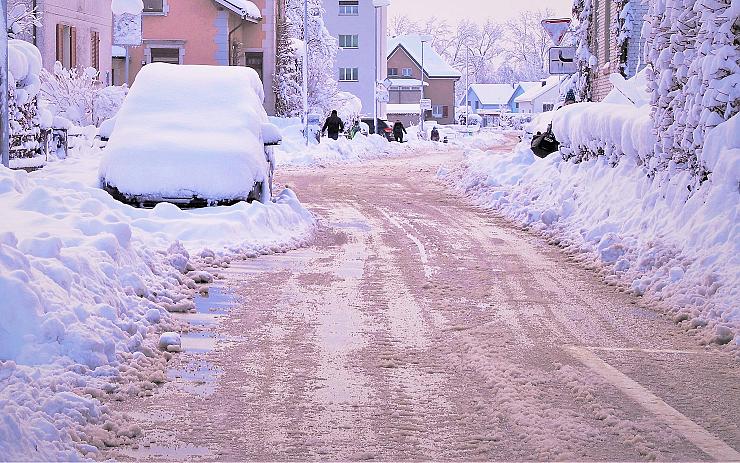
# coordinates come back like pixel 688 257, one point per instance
pixel 244 8
pixel 490 94
pixel 536 91
pixel 434 64
pixel 529 85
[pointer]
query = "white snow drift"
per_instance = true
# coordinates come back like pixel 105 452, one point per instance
pixel 87 285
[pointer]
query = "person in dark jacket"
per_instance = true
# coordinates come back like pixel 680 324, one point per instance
pixel 398 131
pixel 333 125
pixel 435 134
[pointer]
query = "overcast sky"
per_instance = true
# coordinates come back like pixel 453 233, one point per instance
pixel 477 10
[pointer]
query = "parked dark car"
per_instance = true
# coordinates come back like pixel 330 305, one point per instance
pixel 385 128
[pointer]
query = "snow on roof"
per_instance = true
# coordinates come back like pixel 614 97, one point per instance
pixel 536 91
pixel 490 94
pixel 407 83
pixel 528 85
pixel 434 64
pixel 412 108
pixel 244 8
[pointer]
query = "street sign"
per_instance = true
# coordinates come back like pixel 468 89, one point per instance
pixel 556 28
pixel 425 104
pixel 127 30
pixel 383 95
pixel 562 60
pixel 387 83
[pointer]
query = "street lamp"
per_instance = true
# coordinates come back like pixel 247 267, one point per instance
pixel 376 4
pixel 4 124
pixel 305 69
pixel 424 39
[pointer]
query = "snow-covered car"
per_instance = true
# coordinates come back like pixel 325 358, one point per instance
pixel 193 136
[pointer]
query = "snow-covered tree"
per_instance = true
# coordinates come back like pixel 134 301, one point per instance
pixel 322 52
pixel 586 61
pixel 692 46
pixel 287 84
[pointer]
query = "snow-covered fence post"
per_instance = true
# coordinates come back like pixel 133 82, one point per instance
pixel 4 102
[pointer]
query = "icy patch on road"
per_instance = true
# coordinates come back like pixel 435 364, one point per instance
pixel 653 236
pixel 87 287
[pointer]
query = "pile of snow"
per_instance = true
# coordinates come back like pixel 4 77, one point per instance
pixel 87 285
pixel 189 130
pixel 293 149
pixel 652 234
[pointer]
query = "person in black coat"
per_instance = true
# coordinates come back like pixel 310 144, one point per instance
pixel 398 131
pixel 333 125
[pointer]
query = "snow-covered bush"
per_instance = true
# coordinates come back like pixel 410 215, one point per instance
pixel 695 76
pixel 106 103
pixel 71 93
pixel 25 117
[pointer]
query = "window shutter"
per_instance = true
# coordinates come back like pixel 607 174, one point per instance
pixel 60 42
pixel 445 111
pixel 73 47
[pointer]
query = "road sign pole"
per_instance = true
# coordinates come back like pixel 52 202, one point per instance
pixel 4 103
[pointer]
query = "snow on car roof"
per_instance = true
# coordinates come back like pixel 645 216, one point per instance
pixel 189 130
pixel 434 64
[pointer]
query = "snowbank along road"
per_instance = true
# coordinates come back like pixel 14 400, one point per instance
pixel 418 327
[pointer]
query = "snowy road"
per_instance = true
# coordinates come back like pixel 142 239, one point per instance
pixel 418 327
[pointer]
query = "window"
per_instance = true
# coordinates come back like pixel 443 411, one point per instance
pixel 407 72
pixel 165 55
pixel 437 110
pixel 349 7
pixel 392 72
pixel 67 45
pixel 349 41
pixel 445 111
pixel 154 6
pixel 95 50
pixel 348 74
pixel 547 107
pixel 255 60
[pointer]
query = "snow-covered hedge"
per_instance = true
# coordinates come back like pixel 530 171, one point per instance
pixel 695 75
pixel 587 130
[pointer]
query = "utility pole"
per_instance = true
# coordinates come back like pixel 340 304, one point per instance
pixel 467 90
pixel 4 123
pixel 377 4
pixel 421 110
pixel 305 69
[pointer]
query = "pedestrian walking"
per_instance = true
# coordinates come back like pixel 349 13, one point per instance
pixel 435 134
pixel 333 125
pixel 398 131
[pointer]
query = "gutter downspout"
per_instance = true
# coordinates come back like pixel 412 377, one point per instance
pixel 228 39
pixel 35 28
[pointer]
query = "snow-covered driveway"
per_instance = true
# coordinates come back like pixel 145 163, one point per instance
pixel 419 327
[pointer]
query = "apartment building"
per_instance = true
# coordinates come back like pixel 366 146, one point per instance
pixel 211 32
pixel 361 32
pixel 77 33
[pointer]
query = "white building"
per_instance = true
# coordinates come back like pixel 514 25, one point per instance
pixel 361 31
pixel 540 98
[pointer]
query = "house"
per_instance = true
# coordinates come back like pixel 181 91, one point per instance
pixel 540 98
pixel 611 55
pixel 212 32
pixel 74 35
pixel 405 57
pixel 361 32
pixel 490 101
